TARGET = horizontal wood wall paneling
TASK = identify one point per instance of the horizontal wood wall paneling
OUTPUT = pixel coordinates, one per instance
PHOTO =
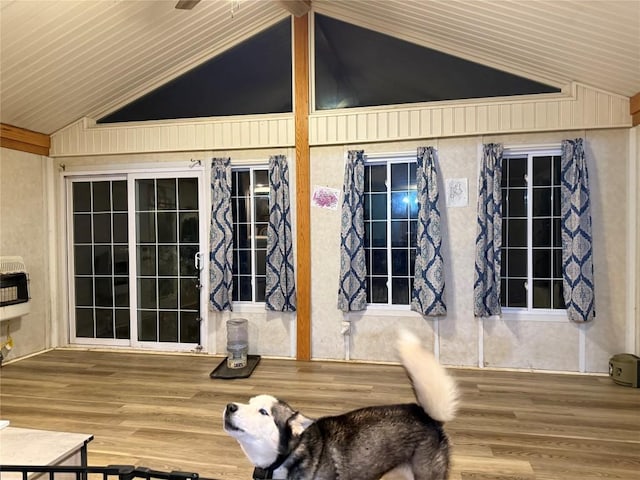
(581, 107)
(17, 138)
(84, 137)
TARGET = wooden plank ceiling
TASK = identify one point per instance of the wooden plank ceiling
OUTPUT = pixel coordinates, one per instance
(61, 60)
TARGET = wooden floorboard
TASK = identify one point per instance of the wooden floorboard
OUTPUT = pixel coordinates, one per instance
(164, 412)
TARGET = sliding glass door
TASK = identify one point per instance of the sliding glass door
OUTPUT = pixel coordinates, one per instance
(134, 259)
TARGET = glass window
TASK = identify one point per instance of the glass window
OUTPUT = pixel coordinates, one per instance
(391, 219)
(531, 239)
(250, 209)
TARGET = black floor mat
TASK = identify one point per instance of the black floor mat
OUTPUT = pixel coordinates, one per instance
(222, 371)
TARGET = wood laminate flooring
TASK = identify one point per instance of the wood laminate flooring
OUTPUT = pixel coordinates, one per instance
(165, 413)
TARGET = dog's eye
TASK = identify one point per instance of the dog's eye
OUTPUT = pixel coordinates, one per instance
(263, 412)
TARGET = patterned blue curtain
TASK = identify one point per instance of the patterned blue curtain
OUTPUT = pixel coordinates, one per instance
(352, 290)
(428, 287)
(486, 286)
(221, 236)
(280, 292)
(577, 259)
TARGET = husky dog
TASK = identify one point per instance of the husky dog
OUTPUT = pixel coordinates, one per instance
(406, 440)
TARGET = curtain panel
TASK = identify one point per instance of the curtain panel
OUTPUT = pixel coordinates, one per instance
(577, 252)
(486, 286)
(427, 296)
(352, 288)
(221, 237)
(280, 292)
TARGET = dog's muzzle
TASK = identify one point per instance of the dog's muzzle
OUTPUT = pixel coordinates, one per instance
(229, 410)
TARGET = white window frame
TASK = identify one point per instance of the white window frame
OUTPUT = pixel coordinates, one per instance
(390, 308)
(528, 312)
(252, 305)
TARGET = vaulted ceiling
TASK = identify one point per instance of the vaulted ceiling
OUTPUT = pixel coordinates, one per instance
(61, 60)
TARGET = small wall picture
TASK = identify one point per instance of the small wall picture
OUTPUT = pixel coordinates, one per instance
(457, 192)
(325, 197)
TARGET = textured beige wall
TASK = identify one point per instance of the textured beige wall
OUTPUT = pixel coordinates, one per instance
(547, 343)
(23, 232)
(459, 338)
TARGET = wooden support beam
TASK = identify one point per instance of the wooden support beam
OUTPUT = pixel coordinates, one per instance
(17, 138)
(303, 196)
(297, 8)
(635, 109)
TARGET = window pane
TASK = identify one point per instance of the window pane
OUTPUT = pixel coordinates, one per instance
(101, 227)
(399, 233)
(120, 228)
(376, 177)
(84, 291)
(187, 260)
(102, 259)
(516, 262)
(516, 203)
(120, 201)
(399, 262)
(261, 285)
(542, 171)
(147, 293)
(262, 209)
(244, 288)
(541, 264)
(189, 327)
(104, 291)
(83, 260)
(541, 232)
(146, 227)
(147, 326)
(84, 322)
(243, 261)
(166, 194)
(121, 293)
(189, 227)
(376, 206)
(399, 176)
(241, 184)
(399, 205)
(168, 260)
(82, 228)
(400, 291)
(122, 324)
(517, 172)
(101, 196)
(378, 262)
(241, 236)
(146, 195)
(558, 298)
(542, 202)
(167, 227)
(168, 292)
(146, 260)
(81, 196)
(557, 263)
(104, 323)
(379, 292)
(168, 326)
(188, 193)
(260, 181)
(261, 262)
(542, 294)
(378, 235)
(516, 293)
(517, 233)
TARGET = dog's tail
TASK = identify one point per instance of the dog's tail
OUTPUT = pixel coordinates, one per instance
(436, 391)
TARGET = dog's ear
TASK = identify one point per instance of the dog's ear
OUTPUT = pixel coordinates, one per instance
(298, 423)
